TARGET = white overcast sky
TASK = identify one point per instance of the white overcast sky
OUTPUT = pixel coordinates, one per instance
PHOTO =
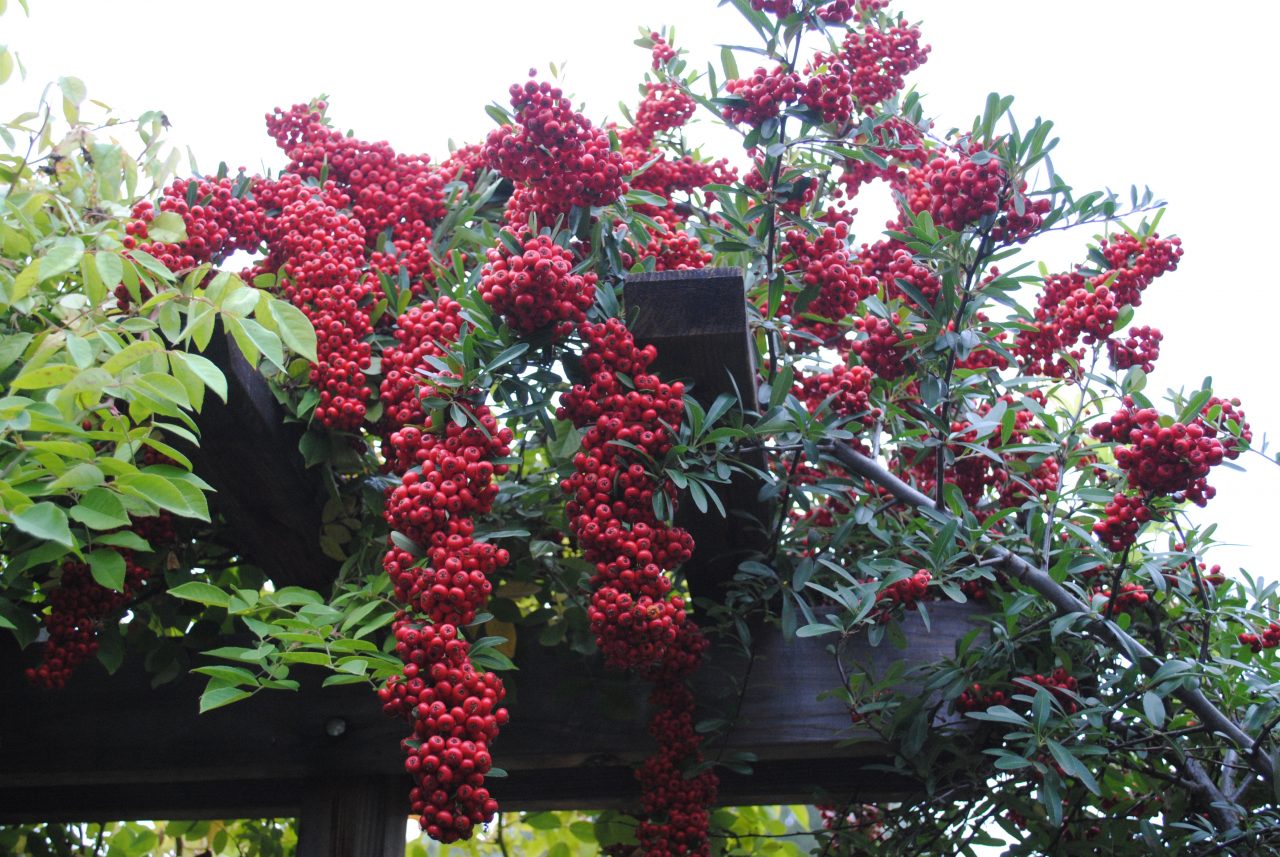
(1172, 94)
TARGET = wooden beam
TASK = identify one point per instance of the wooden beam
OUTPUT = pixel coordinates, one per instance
(112, 746)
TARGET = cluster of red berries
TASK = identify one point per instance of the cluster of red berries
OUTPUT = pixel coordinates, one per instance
(219, 217)
(1061, 684)
(880, 349)
(1140, 347)
(760, 97)
(456, 714)
(422, 331)
(902, 593)
(217, 214)
(319, 250)
(394, 196)
(570, 161)
(78, 605)
(665, 107)
(671, 250)
(639, 625)
(828, 89)
(1064, 309)
(446, 479)
(1129, 597)
(1123, 517)
(662, 51)
(536, 288)
(880, 60)
(1268, 639)
(976, 698)
(959, 190)
(1159, 460)
(1136, 262)
(889, 261)
(676, 805)
(844, 391)
(667, 177)
(823, 263)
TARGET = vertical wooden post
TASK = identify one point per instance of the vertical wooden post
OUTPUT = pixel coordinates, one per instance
(698, 322)
(347, 816)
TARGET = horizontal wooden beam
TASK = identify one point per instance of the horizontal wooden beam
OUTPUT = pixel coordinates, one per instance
(112, 746)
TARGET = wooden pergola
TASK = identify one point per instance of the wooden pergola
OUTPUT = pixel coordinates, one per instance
(113, 747)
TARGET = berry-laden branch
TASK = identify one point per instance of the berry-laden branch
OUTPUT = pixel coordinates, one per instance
(1066, 603)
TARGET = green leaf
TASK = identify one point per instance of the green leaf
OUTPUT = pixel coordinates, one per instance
(294, 328)
(44, 521)
(110, 268)
(205, 369)
(228, 674)
(73, 89)
(100, 509)
(130, 355)
(218, 695)
(168, 227)
(254, 339)
(202, 593)
(1153, 707)
(108, 569)
(62, 257)
(45, 376)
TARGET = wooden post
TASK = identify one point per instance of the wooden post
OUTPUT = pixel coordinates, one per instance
(698, 322)
(349, 816)
(249, 454)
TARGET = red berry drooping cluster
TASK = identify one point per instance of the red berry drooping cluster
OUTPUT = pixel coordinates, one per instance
(395, 197)
(1139, 347)
(672, 250)
(880, 350)
(1268, 639)
(844, 391)
(318, 249)
(760, 97)
(880, 60)
(661, 50)
(79, 605)
(536, 288)
(639, 625)
(902, 593)
(421, 332)
(828, 89)
(447, 478)
(568, 159)
(665, 107)
(976, 698)
(1074, 304)
(1160, 460)
(218, 217)
(823, 264)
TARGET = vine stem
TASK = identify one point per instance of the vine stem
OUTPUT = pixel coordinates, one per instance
(1067, 603)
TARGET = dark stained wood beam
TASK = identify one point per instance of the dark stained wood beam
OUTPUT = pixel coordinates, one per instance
(114, 747)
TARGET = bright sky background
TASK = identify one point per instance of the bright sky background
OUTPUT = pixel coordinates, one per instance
(1174, 95)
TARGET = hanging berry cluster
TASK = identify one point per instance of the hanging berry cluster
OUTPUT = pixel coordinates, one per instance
(446, 479)
(1163, 458)
(1080, 306)
(79, 605)
(628, 416)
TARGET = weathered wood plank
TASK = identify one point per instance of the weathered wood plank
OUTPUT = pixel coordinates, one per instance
(344, 816)
(108, 740)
